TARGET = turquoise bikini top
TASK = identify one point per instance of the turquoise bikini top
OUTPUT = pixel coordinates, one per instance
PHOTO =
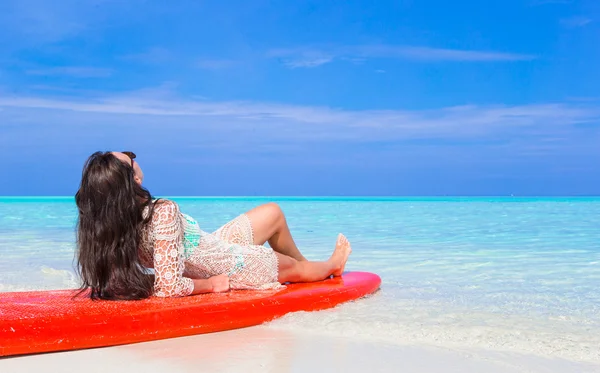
(191, 240)
(191, 235)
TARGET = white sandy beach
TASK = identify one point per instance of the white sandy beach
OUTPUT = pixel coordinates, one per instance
(267, 349)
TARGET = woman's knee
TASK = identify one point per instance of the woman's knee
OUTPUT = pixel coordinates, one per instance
(274, 209)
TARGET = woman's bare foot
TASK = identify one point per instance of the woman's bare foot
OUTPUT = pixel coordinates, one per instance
(340, 254)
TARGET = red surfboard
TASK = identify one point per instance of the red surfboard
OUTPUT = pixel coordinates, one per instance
(45, 321)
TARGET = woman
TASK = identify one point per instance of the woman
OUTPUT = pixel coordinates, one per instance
(122, 231)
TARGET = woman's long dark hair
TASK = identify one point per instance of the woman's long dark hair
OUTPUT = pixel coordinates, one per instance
(110, 223)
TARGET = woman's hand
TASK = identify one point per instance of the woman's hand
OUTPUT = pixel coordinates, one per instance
(215, 284)
(219, 283)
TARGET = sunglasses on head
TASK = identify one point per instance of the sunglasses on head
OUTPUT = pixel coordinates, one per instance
(131, 156)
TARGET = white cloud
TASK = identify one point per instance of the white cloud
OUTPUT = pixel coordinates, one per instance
(461, 122)
(295, 58)
(437, 54)
(157, 120)
(308, 62)
(313, 57)
(575, 21)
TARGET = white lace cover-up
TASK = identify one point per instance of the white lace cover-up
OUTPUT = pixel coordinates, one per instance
(178, 250)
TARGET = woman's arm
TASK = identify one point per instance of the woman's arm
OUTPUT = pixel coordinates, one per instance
(167, 234)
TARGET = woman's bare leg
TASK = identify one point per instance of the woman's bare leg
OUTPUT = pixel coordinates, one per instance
(269, 224)
(292, 270)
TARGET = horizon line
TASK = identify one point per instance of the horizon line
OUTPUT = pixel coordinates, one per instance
(330, 196)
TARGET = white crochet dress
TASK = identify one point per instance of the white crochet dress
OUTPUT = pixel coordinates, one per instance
(178, 250)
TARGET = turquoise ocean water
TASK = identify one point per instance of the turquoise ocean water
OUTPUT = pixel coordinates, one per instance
(509, 274)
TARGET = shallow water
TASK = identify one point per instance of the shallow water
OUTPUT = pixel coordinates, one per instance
(505, 274)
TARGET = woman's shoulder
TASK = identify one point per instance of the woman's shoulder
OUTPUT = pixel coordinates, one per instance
(165, 206)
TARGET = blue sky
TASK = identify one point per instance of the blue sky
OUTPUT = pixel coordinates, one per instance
(258, 97)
